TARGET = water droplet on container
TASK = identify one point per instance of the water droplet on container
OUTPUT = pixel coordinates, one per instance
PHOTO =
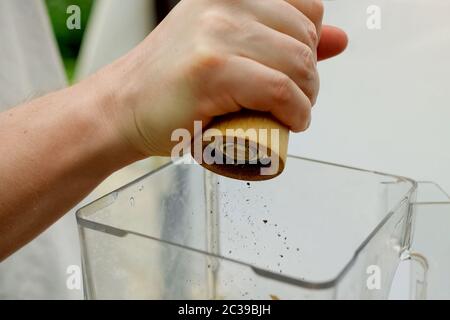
(132, 202)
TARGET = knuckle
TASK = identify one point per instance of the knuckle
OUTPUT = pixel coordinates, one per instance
(318, 9)
(310, 63)
(281, 89)
(306, 63)
(216, 21)
(311, 89)
(312, 36)
(209, 17)
(249, 32)
(206, 58)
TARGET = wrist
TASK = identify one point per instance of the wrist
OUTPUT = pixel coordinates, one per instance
(97, 113)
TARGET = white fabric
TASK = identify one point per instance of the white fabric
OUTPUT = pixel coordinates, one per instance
(115, 27)
(30, 66)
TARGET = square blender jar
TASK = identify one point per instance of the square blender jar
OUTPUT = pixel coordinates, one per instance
(318, 231)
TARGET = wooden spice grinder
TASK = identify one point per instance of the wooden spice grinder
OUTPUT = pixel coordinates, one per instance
(246, 145)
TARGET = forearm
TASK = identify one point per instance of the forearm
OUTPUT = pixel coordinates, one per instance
(54, 151)
(196, 65)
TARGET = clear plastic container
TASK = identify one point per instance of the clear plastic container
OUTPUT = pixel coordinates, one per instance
(429, 250)
(319, 231)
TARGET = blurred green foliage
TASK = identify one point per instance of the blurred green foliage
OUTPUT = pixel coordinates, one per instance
(69, 41)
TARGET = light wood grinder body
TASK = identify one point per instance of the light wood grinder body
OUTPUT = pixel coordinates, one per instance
(246, 145)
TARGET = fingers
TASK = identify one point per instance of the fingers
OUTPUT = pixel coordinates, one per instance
(283, 53)
(271, 49)
(313, 9)
(276, 92)
(333, 42)
(288, 20)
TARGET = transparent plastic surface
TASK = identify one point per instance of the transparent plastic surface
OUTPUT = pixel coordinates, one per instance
(430, 244)
(319, 231)
(315, 232)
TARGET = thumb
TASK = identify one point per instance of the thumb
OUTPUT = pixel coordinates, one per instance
(333, 41)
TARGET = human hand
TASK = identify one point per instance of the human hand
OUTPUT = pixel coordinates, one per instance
(209, 58)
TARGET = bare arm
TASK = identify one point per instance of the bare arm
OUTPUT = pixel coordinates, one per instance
(54, 151)
(194, 66)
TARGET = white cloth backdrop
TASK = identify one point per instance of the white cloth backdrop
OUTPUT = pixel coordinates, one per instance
(30, 65)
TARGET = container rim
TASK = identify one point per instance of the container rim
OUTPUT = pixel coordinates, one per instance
(102, 202)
